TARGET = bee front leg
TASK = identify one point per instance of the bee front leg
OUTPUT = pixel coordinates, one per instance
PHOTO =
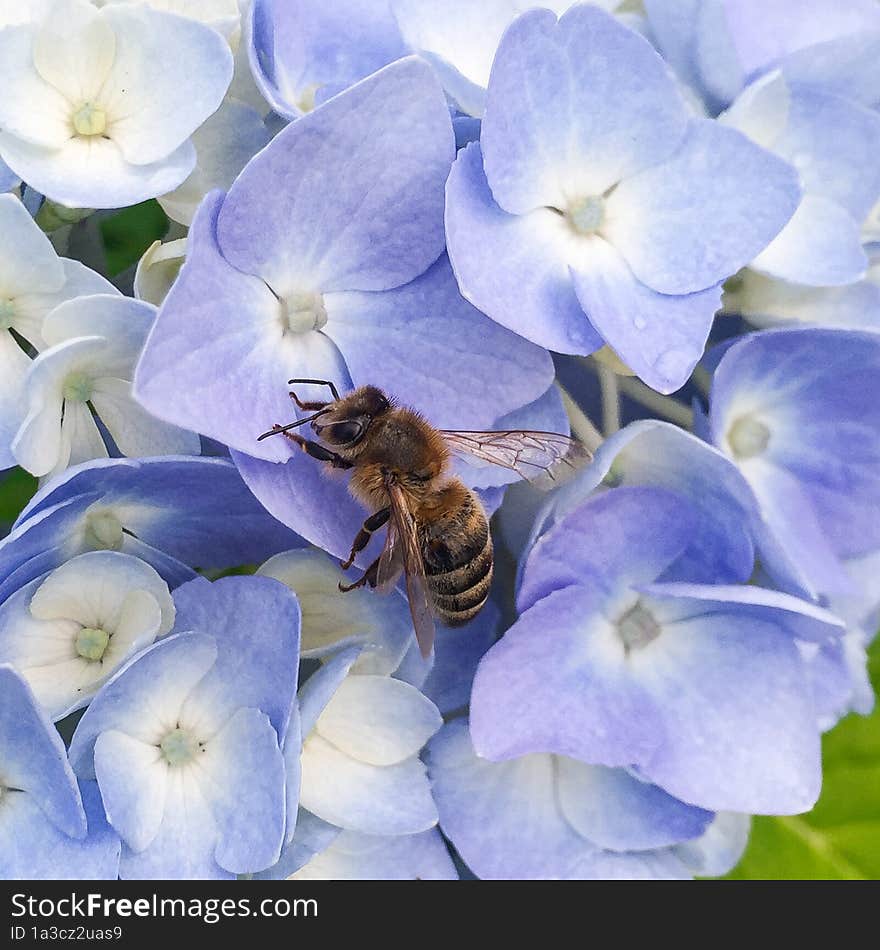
(315, 449)
(369, 576)
(373, 523)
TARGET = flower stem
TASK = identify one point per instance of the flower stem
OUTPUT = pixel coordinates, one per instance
(609, 384)
(581, 425)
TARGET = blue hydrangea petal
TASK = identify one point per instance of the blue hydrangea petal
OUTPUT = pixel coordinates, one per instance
(300, 495)
(821, 246)
(661, 865)
(250, 355)
(655, 453)
(803, 620)
(197, 510)
(31, 848)
(573, 108)
(711, 678)
(660, 337)
(513, 268)
(719, 848)
(242, 775)
(617, 811)
(34, 758)
(385, 146)
(255, 622)
(847, 66)
(814, 388)
(704, 213)
(503, 818)
(404, 341)
(657, 523)
(558, 682)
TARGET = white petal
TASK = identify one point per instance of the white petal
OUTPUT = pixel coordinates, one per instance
(14, 364)
(74, 48)
(28, 261)
(169, 75)
(93, 589)
(394, 800)
(91, 172)
(133, 780)
(30, 109)
(378, 720)
(137, 433)
(38, 446)
(329, 621)
(158, 269)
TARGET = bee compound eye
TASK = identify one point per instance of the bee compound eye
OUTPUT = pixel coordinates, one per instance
(344, 432)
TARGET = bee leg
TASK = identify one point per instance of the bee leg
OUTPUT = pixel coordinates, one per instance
(307, 405)
(369, 576)
(316, 450)
(373, 523)
(318, 382)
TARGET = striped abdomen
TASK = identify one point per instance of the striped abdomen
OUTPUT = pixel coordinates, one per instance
(457, 552)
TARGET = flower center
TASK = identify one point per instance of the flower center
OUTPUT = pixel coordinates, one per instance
(103, 531)
(78, 388)
(303, 313)
(91, 643)
(587, 214)
(89, 120)
(748, 437)
(637, 628)
(7, 313)
(305, 102)
(179, 747)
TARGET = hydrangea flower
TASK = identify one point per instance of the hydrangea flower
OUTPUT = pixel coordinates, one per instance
(826, 139)
(221, 15)
(68, 631)
(185, 741)
(304, 53)
(93, 116)
(172, 513)
(459, 39)
(33, 280)
(45, 832)
(618, 659)
(361, 736)
(718, 46)
(623, 232)
(795, 410)
(549, 816)
(93, 343)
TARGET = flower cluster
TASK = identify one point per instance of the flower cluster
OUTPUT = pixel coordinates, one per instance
(509, 219)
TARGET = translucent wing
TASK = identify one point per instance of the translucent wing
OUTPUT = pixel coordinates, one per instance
(403, 552)
(533, 455)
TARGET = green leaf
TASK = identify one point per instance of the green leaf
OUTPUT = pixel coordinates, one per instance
(128, 233)
(16, 489)
(840, 838)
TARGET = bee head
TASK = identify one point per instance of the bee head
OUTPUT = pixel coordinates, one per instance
(347, 422)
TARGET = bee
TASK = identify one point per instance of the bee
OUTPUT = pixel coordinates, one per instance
(437, 531)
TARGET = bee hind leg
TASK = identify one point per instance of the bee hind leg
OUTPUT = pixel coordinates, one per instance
(369, 576)
(373, 523)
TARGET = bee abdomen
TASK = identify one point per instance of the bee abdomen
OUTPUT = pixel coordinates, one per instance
(458, 593)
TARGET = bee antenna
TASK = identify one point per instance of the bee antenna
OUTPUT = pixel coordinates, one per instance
(277, 430)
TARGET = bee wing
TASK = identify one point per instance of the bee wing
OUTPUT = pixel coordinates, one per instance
(402, 552)
(533, 455)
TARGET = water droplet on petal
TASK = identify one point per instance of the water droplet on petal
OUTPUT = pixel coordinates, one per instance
(675, 364)
(639, 322)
